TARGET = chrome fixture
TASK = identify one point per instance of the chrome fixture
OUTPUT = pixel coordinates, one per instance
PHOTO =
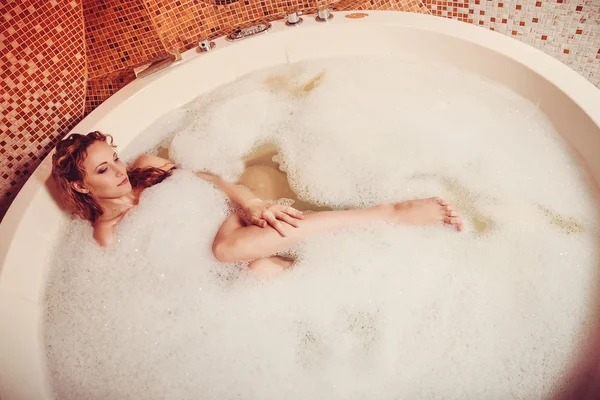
(293, 19)
(243, 33)
(323, 15)
(155, 66)
(205, 46)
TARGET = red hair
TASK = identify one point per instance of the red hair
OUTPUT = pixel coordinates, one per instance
(67, 168)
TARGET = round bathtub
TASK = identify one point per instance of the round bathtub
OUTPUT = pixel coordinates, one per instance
(28, 230)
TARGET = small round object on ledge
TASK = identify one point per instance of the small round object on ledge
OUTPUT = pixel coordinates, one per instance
(356, 15)
(205, 46)
(324, 15)
(293, 19)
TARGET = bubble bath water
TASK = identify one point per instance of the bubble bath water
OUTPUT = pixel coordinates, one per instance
(378, 311)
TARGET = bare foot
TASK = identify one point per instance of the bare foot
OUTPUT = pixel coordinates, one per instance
(426, 212)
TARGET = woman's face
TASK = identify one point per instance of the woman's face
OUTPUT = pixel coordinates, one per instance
(105, 174)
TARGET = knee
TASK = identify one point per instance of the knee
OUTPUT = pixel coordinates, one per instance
(220, 251)
(228, 251)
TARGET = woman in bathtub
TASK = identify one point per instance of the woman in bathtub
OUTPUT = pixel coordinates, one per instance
(96, 185)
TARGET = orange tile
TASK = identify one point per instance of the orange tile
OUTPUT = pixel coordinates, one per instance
(43, 75)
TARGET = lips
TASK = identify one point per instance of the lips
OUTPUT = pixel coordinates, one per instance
(124, 181)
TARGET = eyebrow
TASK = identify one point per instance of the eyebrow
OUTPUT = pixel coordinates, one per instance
(101, 164)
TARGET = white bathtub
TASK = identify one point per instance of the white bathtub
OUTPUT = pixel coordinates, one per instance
(31, 224)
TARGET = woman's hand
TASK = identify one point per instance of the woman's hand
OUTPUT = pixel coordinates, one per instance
(256, 211)
(260, 214)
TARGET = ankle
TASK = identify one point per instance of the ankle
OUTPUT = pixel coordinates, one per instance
(385, 212)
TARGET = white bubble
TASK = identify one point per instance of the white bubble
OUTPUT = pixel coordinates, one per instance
(377, 311)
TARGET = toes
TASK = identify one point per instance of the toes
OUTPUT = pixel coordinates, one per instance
(452, 220)
(440, 201)
(451, 213)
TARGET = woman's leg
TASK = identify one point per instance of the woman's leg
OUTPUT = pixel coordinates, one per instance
(269, 266)
(265, 266)
(237, 242)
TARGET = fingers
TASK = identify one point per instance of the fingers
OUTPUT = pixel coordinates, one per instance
(270, 218)
(274, 215)
(278, 213)
(258, 221)
(291, 211)
(284, 217)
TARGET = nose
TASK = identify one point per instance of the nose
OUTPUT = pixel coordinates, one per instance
(119, 172)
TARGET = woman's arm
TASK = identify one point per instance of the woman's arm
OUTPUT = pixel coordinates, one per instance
(256, 211)
(148, 160)
(236, 193)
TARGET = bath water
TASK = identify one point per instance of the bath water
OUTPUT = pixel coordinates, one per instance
(378, 311)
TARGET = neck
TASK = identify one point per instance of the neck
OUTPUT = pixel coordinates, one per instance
(114, 208)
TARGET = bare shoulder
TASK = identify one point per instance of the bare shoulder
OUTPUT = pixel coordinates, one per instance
(148, 160)
(104, 233)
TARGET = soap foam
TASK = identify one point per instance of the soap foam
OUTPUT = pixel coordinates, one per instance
(377, 311)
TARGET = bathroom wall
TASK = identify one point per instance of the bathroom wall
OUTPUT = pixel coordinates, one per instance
(118, 35)
(61, 59)
(43, 71)
(122, 38)
(179, 25)
(565, 29)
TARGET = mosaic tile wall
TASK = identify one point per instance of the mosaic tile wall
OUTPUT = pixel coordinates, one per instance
(46, 46)
(42, 90)
(193, 20)
(568, 30)
(118, 34)
(101, 88)
(180, 24)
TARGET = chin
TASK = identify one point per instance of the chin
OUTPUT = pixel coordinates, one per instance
(123, 190)
(126, 187)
